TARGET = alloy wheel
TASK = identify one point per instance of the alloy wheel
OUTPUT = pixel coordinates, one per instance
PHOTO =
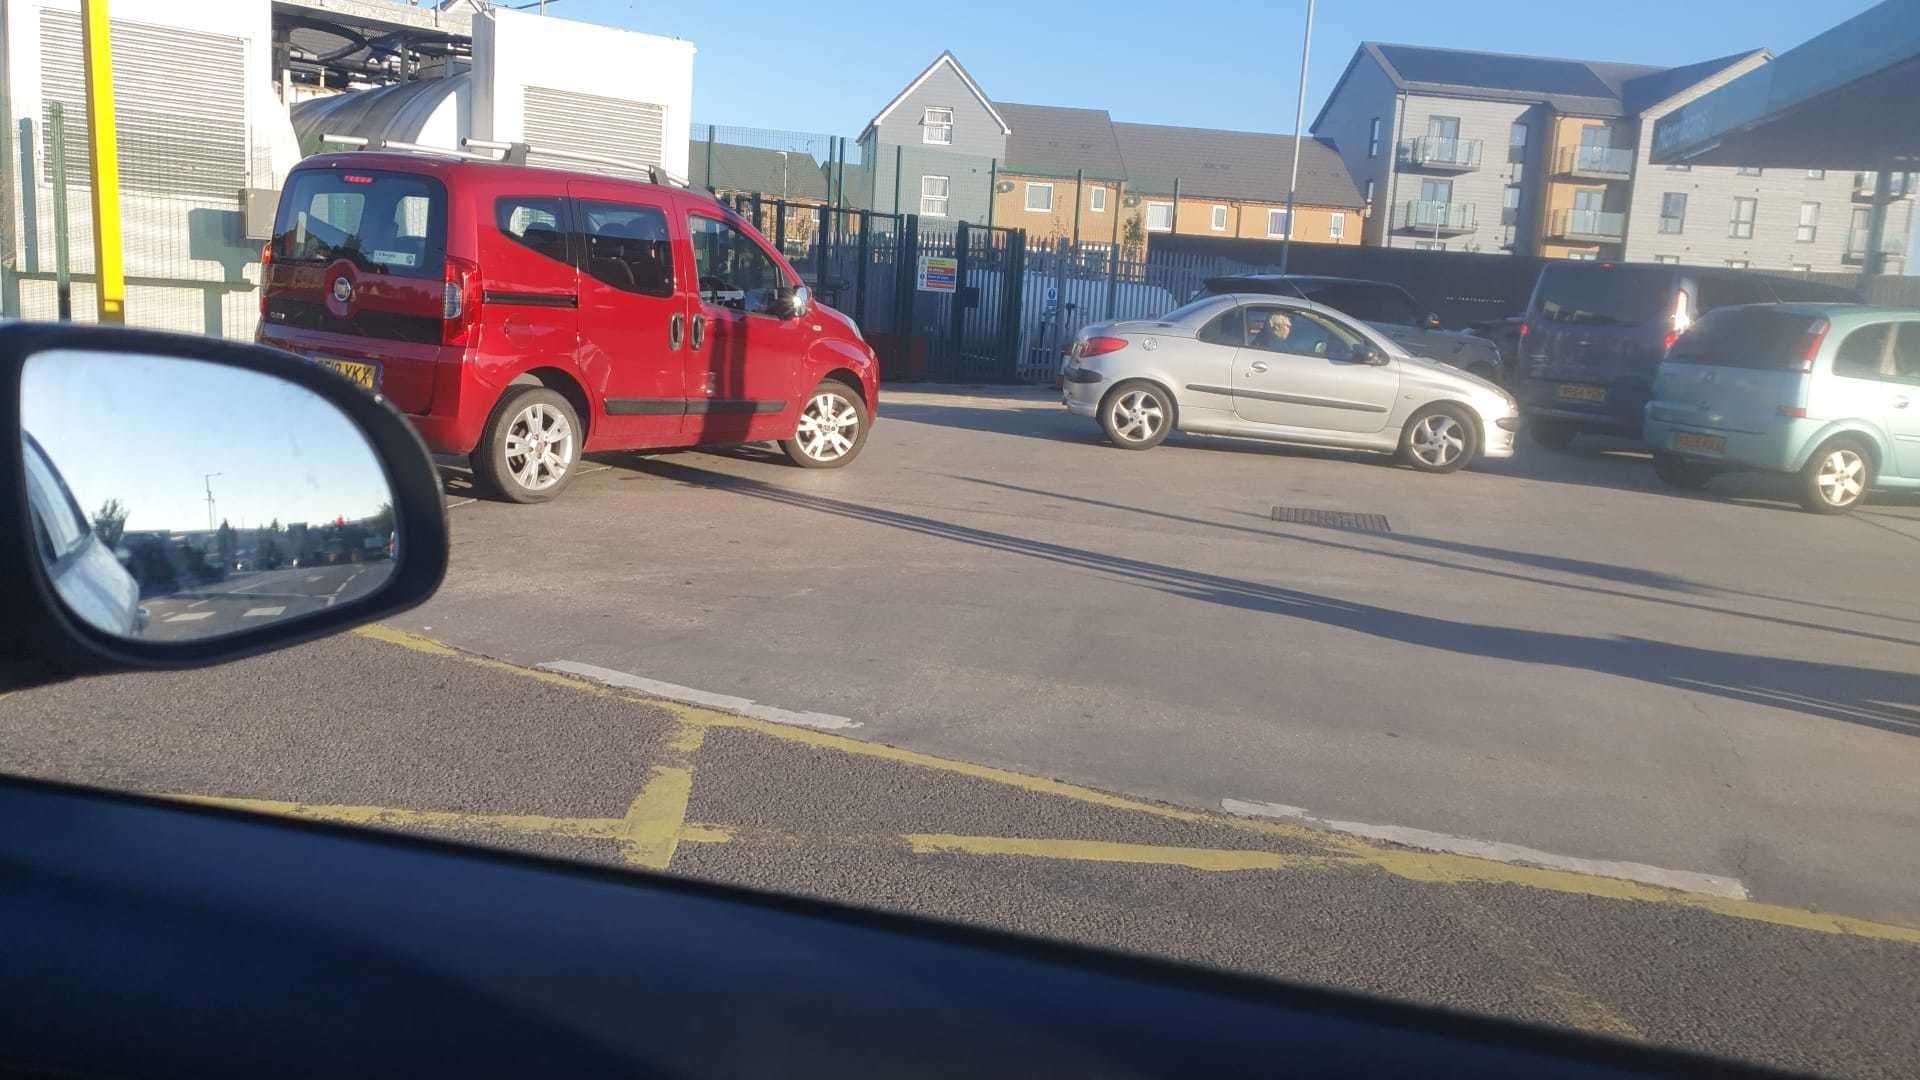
(829, 426)
(1138, 415)
(539, 447)
(1842, 477)
(1438, 440)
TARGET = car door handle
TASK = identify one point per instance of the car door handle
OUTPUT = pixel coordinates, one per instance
(1258, 366)
(676, 329)
(699, 330)
(1900, 403)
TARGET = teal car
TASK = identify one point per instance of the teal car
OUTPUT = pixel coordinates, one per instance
(1829, 393)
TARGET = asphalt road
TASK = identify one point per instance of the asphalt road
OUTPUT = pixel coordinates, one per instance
(1664, 745)
(1551, 652)
(250, 597)
(398, 732)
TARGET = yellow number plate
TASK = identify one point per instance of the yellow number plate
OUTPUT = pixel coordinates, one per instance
(1687, 440)
(1572, 392)
(366, 375)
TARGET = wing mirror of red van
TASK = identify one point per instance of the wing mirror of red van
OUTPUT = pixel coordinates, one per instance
(796, 301)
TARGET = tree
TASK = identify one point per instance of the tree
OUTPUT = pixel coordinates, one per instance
(266, 553)
(152, 567)
(110, 522)
(382, 520)
(1132, 239)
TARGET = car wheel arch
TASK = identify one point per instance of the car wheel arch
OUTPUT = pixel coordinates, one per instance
(1877, 452)
(562, 382)
(1158, 382)
(1472, 414)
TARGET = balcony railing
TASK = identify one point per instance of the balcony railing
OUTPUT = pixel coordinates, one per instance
(1436, 153)
(1434, 218)
(1588, 225)
(1890, 244)
(1899, 185)
(1602, 162)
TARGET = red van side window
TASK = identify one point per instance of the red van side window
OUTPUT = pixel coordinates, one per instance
(628, 247)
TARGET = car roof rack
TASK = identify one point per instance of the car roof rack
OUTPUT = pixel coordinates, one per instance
(512, 153)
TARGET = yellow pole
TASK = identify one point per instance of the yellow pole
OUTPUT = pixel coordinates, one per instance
(105, 155)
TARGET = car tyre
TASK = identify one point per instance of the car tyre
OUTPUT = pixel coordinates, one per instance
(831, 429)
(1551, 434)
(1677, 472)
(1440, 439)
(1137, 415)
(1836, 478)
(530, 451)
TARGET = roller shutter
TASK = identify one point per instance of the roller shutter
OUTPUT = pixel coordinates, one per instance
(585, 124)
(180, 106)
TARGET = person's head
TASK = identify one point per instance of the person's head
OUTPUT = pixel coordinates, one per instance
(1279, 324)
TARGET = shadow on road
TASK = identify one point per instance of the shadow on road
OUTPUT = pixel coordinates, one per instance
(1879, 699)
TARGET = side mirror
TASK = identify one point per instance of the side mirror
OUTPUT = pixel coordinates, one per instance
(797, 301)
(186, 501)
(1432, 321)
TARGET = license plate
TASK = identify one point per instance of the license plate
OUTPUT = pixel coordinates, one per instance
(367, 375)
(1687, 440)
(1574, 392)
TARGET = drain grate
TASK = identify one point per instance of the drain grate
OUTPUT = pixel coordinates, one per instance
(1332, 519)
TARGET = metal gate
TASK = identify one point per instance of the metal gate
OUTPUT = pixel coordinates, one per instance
(973, 332)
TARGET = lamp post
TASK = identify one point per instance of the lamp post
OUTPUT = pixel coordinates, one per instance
(207, 479)
(1299, 113)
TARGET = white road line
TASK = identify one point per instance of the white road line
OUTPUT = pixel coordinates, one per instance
(690, 696)
(314, 577)
(190, 616)
(460, 503)
(1684, 880)
(196, 603)
(263, 612)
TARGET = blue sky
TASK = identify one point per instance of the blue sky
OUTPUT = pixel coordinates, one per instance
(830, 65)
(146, 429)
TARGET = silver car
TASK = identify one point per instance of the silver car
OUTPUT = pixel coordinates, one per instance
(1384, 307)
(1270, 367)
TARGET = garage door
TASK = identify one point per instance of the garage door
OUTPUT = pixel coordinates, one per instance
(180, 101)
(586, 124)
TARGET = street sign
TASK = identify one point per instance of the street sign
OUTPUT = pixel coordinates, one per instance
(1053, 294)
(939, 273)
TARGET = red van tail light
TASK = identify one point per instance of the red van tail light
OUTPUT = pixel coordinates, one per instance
(1524, 328)
(1100, 346)
(459, 301)
(266, 275)
(1682, 320)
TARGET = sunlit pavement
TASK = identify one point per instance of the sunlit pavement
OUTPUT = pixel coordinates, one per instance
(1553, 663)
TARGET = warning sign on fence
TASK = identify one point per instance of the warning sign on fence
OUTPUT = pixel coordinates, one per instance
(938, 273)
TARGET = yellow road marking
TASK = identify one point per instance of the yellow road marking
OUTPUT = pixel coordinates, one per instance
(1337, 849)
(1107, 851)
(1589, 1013)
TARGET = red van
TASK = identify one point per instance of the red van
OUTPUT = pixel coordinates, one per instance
(525, 315)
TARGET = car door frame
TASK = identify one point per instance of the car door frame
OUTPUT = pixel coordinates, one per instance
(774, 366)
(1299, 400)
(1902, 418)
(629, 420)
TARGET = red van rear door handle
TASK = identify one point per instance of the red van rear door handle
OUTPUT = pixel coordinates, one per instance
(699, 330)
(676, 329)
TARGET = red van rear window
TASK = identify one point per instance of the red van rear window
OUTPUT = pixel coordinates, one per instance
(385, 222)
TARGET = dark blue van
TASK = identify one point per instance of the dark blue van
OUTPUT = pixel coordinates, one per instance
(1595, 332)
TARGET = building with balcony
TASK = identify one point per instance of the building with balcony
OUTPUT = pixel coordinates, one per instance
(1490, 152)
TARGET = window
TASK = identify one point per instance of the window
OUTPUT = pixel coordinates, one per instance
(1755, 338)
(1620, 295)
(1276, 223)
(734, 271)
(1867, 353)
(389, 221)
(1429, 245)
(1368, 302)
(1747, 170)
(1097, 200)
(1159, 216)
(1369, 193)
(1906, 353)
(1517, 143)
(1809, 226)
(537, 222)
(1816, 174)
(936, 127)
(1040, 197)
(1741, 227)
(1583, 256)
(1297, 333)
(1857, 230)
(1713, 291)
(1228, 329)
(1373, 138)
(1337, 226)
(1218, 222)
(627, 247)
(1667, 260)
(1673, 212)
(933, 195)
(1736, 264)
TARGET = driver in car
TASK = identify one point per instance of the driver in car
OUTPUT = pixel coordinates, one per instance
(1273, 333)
